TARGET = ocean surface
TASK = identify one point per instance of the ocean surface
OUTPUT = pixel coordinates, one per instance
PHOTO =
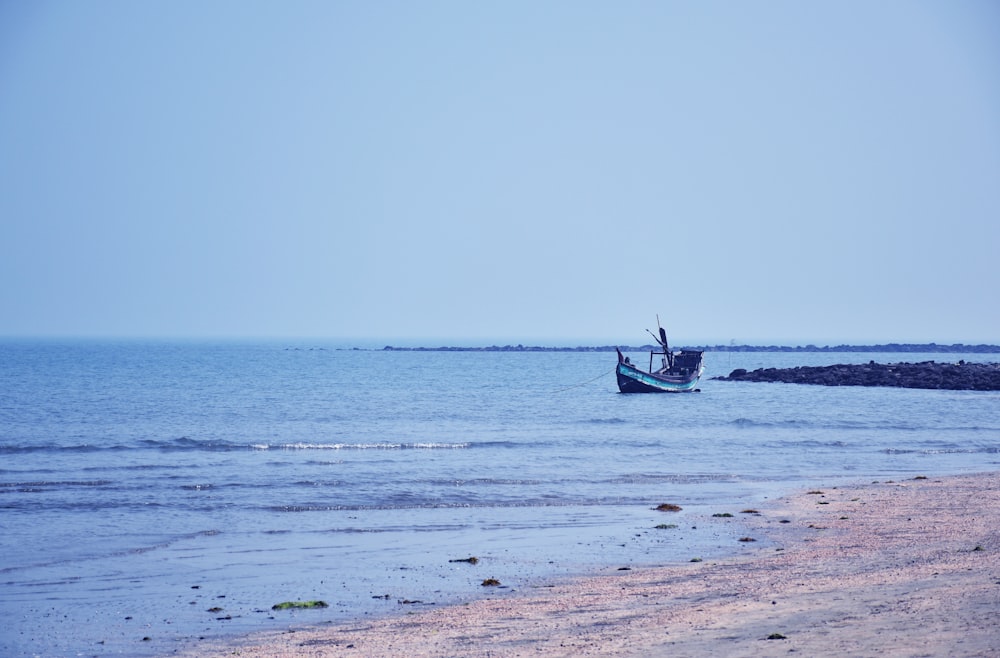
(155, 493)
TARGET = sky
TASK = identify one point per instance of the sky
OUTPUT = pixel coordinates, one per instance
(451, 172)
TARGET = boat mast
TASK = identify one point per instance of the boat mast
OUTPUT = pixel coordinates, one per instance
(663, 342)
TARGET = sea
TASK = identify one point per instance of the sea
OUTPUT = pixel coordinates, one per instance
(155, 495)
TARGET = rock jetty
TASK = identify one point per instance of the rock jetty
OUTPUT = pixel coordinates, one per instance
(959, 376)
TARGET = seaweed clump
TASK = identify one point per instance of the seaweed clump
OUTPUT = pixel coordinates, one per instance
(667, 507)
(470, 560)
(289, 605)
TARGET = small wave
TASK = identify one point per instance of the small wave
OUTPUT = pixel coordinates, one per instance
(793, 423)
(25, 449)
(135, 467)
(185, 444)
(360, 446)
(404, 528)
(499, 444)
(844, 425)
(807, 443)
(748, 422)
(671, 478)
(57, 483)
(983, 450)
(484, 482)
(163, 445)
(605, 421)
(136, 550)
(421, 505)
(319, 483)
(45, 486)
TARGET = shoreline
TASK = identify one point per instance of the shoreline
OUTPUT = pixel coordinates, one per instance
(909, 568)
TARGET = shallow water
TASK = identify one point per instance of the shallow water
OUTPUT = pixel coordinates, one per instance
(144, 484)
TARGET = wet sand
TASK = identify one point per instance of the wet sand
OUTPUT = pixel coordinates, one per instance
(906, 568)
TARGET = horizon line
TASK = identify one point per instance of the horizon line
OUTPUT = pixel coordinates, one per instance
(375, 344)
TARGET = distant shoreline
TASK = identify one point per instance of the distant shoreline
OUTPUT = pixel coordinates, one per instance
(925, 348)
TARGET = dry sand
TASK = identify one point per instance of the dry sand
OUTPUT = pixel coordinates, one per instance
(910, 568)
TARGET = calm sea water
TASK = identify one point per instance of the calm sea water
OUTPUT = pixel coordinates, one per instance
(155, 493)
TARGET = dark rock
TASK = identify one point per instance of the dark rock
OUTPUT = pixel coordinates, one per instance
(962, 376)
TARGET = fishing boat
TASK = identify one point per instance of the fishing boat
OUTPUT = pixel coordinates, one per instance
(678, 372)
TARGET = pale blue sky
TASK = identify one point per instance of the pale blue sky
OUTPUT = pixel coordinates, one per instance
(536, 172)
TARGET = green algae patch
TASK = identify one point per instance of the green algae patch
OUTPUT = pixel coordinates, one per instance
(295, 605)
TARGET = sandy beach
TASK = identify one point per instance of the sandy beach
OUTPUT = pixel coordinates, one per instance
(905, 568)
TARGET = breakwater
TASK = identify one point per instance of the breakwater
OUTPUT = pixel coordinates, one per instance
(961, 376)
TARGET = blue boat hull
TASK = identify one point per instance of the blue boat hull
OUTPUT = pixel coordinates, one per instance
(633, 380)
(682, 375)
